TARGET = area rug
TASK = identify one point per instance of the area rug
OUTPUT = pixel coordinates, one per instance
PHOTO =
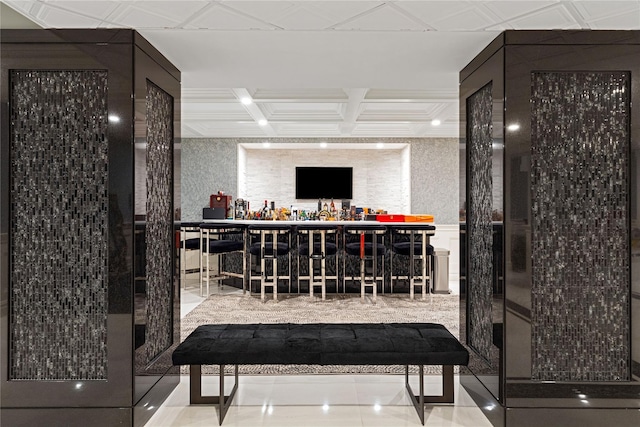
(396, 308)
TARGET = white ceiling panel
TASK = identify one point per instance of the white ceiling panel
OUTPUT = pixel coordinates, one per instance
(302, 111)
(302, 18)
(324, 68)
(60, 18)
(432, 11)
(264, 10)
(341, 11)
(506, 10)
(597, 10)
(222, 18)
(472, 18)
(556, 17)
(620, 22)
(381, 18)
(134, 16)
(176, 11)
(97, 9)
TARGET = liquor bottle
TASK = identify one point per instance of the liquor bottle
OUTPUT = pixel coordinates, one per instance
(264, 214)
(319, 205)
(332, 208)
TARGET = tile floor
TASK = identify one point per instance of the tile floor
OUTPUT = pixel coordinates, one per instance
(314, 400)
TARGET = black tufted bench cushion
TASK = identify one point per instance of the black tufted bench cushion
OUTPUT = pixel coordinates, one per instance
(321, 344)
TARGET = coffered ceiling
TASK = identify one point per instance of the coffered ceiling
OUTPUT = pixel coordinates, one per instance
(324, 68)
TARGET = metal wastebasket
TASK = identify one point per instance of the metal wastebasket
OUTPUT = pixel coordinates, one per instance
(441, 271)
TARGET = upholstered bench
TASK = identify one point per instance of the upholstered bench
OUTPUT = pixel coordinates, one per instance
(321, 344)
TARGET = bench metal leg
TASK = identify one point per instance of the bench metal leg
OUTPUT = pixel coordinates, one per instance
(195, 391)
(419, 401)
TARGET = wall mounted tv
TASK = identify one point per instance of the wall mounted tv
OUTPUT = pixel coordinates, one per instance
(324, 182)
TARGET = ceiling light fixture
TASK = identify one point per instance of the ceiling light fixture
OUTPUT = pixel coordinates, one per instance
(246, 101)
(262, 122)
(379, 145)
(435, 122)
(323, 145)
(266, 144)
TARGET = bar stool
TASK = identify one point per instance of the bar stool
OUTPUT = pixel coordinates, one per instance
(369, 247)
(414, 245)
(188, 244)
(270, 247)
(315, 249)
(221, 239)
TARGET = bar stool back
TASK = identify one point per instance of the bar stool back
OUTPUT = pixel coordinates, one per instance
(415, 246)
(188, 244)
(369, 247)
(221, 239)
(315, 249)
(268, 248)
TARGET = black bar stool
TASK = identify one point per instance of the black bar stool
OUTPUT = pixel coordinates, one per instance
(221, 239)
(412, 240)
(369, 247)
(188, 244)
(315, 248)
(269, 247)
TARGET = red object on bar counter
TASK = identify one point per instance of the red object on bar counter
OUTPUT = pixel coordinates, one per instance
(390, 218)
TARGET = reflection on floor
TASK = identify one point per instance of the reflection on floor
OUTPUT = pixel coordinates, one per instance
(314, 400)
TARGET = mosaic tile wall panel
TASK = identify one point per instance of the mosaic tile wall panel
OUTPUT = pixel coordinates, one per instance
(159, 231)
(479, 226)
(580, 229)
(59, 225)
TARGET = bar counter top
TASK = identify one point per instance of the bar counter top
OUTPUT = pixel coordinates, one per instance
(335, 222)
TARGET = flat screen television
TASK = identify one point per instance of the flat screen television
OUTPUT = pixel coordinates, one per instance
(324, 182)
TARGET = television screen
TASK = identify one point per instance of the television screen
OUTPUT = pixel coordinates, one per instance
(324, 183)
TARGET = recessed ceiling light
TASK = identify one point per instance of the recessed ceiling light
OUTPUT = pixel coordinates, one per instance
(379, 145)
(246, 100)
(262, 122)
(266, 144)
(435, 122)
(323, 145)
(513, 127)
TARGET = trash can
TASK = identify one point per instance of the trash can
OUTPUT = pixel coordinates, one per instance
(440, 271)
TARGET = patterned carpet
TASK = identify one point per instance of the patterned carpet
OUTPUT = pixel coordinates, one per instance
(441, 309)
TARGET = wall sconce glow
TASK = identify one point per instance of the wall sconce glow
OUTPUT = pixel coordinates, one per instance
(246, 101)
(114, 119)
(513, 127)
(266, 144)
(435, 122)
(323, 145)
(262, 122)
(379, 145)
